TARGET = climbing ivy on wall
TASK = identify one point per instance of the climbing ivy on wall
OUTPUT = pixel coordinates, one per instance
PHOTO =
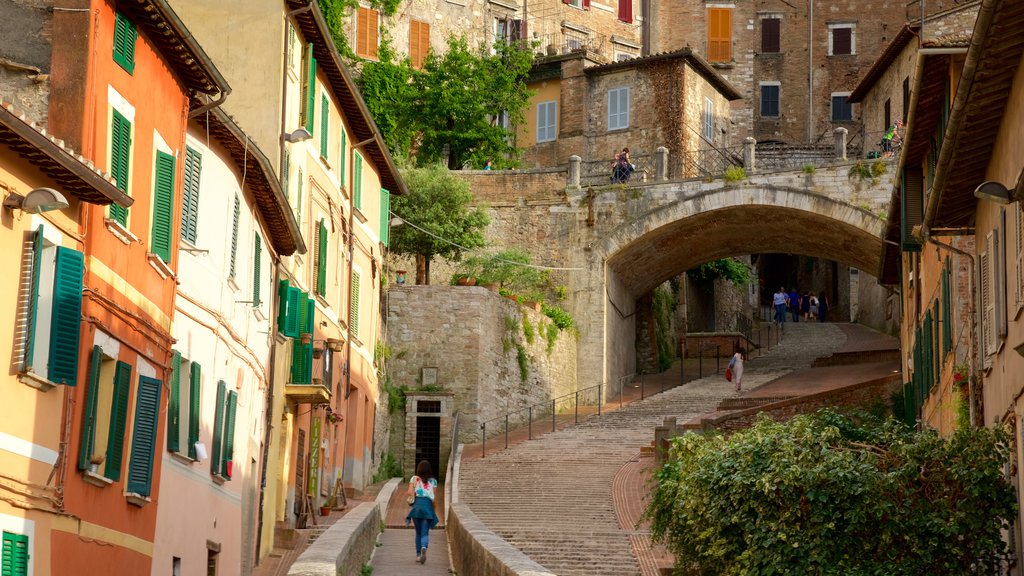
(663, 305)
(731, 269)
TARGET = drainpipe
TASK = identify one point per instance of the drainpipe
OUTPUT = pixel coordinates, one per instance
(810, 72)
(269, 413)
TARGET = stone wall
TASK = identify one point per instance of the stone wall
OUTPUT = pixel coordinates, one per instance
(476, 551)
(26, 26)
(474, 338)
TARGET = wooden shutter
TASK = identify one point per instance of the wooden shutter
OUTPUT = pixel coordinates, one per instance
(125, 37)
(87, 443)
(118, 420)
(719, 34)
(353, 306)
(194, 395)
(947, 313)
(343, 155)
(419, 42)
(842, 41)
(282, 306)
(174, 405)
(998, 263)
(228, 453)
(218, 429)
(988, 306)
(120, 160)
(366, 33)
(298, 198)
(912, 200)
(385, 217)
(302, 354)
(586, 4)
(625, 10)
(307, 103)
(257, 263)
(190, 195)
(770, 35)
(234, 236)
(357, 185)
(325, 124)
(1019, 219)
(147, 414)
(163, 206)
(15, 555)
(321, 258)
(294, 320)
(33, 311)
(66, 317)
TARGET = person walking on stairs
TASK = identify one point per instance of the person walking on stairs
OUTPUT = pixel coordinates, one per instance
(736, 365)
(421, 514)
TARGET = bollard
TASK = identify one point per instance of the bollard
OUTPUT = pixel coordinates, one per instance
(552, 415)
(483, 444)
(661, 163)
(749, 155)
(840, 142)
(575, 167)
(506, 431)
(576, 417)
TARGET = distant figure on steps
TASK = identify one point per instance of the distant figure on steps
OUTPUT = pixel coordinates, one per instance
(421, 496)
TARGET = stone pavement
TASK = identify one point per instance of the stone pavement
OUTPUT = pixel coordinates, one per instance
(396, 554)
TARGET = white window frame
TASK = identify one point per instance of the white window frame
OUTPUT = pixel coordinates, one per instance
(709, 119)
(547, 132)
(853, 37)
(618, 119)
(832, 109)
(760, 98)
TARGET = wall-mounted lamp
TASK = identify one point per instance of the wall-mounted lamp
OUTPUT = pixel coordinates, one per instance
(395, 221)
(300, 135)
(37, 201)
(996, 192)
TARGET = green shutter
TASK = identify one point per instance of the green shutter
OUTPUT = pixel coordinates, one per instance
(305, 109)
(163, 206)
(147, 414)
(284, 174)
(218, 424)
(194, 394)
(357, 184)
(343, 155)
(125, 36)
(228, 454)
(310, 89)
(88, 441)
(909, 409)
(190, 195)
(174, 405)
(37, 262)
(325, 124)
(282, 306)
(321, 259)
(15, 555)
(298, 200)
(912, 204)
(118, 419)
(385, 217)
(947, 313)
(234, 236)
(302, 353)
(120, 160)
(66, 317)
(257, 258)
(353, 307)
(294, 323)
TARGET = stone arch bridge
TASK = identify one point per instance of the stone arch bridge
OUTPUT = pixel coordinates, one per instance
(618, 242)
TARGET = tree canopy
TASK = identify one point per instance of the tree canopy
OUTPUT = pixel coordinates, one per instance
(835, 494)
(439, 203)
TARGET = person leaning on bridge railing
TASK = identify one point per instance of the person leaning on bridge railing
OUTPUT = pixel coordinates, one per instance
(622, 168)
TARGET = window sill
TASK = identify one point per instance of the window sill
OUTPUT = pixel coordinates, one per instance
(119, 231)
(183, 458)
(841, 55)
(723, 65)
(160, 266)
(359, 214)
(324, 161)
(621, 129)
(96, 479)
(36, 381)
(258, 313)
(219, 480)
(138, 499)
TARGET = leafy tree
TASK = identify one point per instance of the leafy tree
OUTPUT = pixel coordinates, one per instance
(439, 203)
(731, 269)
(387, 89)
(835, 494)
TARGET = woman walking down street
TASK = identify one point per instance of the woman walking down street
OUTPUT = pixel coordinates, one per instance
(421, 491)
(736, 365)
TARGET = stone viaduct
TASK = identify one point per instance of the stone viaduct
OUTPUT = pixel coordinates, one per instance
(617, 242)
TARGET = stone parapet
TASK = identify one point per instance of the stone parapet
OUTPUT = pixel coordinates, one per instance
(475, 550)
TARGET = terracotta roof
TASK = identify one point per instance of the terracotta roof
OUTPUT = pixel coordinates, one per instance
(175, 43)
(956, 40)
(76, 175)
(977, 113)
(314, 29)
(271, 203)
(884, 61)
(698, 63)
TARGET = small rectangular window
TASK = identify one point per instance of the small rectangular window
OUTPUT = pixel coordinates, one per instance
(842, 110)
(163, 207)
(325, 124)
(770, 35)
(770, 100)
(353, 306)
(618, 108)
(626, 11)
(709, 119)
(546, 121)
(125, 37)
(841, 40)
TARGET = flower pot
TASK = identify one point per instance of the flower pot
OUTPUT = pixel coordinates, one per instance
(535, 305)
(306, 338)
(94, 468)
(325, 510)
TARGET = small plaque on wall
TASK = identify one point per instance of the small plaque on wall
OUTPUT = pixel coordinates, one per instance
(428, 377)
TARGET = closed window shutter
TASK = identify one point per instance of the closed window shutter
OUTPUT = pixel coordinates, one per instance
(321, 259)
(163, 206)
(362, 24)
(15, 555)
(294, 312)
(947, 313)
(357, 185)
(325, 124)
(551, 121)
(353, 306)
(302, 356)
(66, 316)
(120, 160)
(372, 34)
(282, 306)
(174, 405)
(88, 441)
(987, 302)
(284, 176)
(342, 160)
(147, 414)
(118, 420)
(298, 198)
(625, 11)
(385, 217)
(257, 261)
(770, 37)
(194, 395)
(998, 263)
(912, 208)
(719, 34)
(228, 453)
(125, 37)
(234, 236)
(613, 109)
(308, 88)
(1019, 216)
(33, 312)
(190, 195)
(842, 41)
(419, 42)
(218, 429)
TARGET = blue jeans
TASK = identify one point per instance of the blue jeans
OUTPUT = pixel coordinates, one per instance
(780, 313)
(422, 533)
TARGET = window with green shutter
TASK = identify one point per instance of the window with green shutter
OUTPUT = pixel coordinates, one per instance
(125, 36)
(320, 262)
(15, 555)
(147, 414)
(174, 404)
(298, 199)
(118, 420)
(385, 217)
(190, 195)
(308, 102)
(87, 443)
(257, 263)
(353, 306)
(227, 454)
(947, 303)
(302, 353)
(163, 207)
(194, 394)
(284, 175)
(218, 424)
(120, 161)
(296, 302)
(325, 124)
(282, 306)
(342, 155)
(357, 182)
(234, 236)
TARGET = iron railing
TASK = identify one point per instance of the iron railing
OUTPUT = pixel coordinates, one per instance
(709, 162)
(599, 172)
(566, 408)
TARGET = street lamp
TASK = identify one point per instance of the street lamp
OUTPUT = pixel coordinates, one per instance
(996, 192)
(36, 201)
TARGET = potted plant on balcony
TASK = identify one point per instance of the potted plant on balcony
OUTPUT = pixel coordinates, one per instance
(94, 462)
(306, 337)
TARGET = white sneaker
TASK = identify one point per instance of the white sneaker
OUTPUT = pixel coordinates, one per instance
(423, 556)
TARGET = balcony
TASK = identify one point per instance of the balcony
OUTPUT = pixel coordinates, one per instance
(303, 389)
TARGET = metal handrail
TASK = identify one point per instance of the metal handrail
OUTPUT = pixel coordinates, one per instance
(551, 404)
